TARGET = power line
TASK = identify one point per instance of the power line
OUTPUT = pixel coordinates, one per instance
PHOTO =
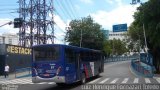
(71, 8)
(61, 8)
(7, 9)
(74, 8)
(59, 36)
(60, 16)
(60, 28)
(65, 8)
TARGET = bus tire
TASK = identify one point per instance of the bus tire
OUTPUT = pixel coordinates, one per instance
(83, 78)
(99, 71)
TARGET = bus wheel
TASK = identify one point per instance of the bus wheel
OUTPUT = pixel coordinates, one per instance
(83, 79)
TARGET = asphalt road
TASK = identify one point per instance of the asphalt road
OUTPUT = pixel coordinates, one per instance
(114, 73)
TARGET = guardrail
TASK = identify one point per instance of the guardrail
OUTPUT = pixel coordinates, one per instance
(22, 72)
(141, 69)
(116, 59)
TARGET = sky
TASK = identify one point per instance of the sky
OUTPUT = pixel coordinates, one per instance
(104, 12)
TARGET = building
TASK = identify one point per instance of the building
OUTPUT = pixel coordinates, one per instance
(117, 35)
(15, 56)
(106, 33)
(110, 35)
(8, 38)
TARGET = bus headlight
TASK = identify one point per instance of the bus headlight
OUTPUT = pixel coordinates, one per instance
(35, 71)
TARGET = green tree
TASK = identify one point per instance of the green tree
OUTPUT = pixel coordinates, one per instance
(135, 38)
(85, 32)
(117, 46)
(107, 48)
(147, 17)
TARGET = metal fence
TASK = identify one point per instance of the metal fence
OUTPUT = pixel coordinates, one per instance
(118, 58)
(22, 72)
(144, 70)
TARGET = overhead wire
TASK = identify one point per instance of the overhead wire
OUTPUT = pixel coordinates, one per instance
(71, 8)
(60, 29)
(60, 16)
(61, 8)
(56, 35)
(74, 8)
(65, 8)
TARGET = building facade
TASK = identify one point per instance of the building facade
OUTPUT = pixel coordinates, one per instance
(110, 35)
(117, 35)
(106, 34)
(8, 38)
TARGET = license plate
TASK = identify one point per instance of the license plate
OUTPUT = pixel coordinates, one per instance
(46, 75)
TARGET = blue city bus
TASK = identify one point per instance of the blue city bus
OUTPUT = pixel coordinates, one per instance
(65, 64)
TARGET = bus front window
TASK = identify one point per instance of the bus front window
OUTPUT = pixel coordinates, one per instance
(46, 53)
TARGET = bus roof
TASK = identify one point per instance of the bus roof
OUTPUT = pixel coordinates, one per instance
(41, 45)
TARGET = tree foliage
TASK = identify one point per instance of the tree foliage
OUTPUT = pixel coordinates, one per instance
(118, 47)
(147, 17)
(92, 36)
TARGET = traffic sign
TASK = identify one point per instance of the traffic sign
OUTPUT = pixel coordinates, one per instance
(120, 28)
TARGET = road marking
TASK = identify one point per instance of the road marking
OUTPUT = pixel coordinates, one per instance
(147, 80)
(115, 80)
(158, 80)
(19, 81)
(136, 80)
(22, 81)
(125, 80)
(104, 80)
(51, 83)
(42, 83)
(94, 81)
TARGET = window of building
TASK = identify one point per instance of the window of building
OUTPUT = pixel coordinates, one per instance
(0, 41)
(10, 41)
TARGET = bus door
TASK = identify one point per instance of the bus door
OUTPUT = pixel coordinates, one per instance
(70, 58)
(78, 66)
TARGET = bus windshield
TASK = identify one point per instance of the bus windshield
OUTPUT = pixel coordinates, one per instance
(46, 53)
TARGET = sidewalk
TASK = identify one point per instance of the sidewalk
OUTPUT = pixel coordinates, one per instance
(16, 75)
(11, 76)
(156, 76)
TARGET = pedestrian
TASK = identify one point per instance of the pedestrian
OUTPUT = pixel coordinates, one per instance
(6, 70)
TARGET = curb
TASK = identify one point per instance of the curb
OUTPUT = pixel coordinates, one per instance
(136, 73)
(24, 76)
(133, 71)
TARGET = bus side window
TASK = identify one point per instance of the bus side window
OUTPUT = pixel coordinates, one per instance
(69, 55)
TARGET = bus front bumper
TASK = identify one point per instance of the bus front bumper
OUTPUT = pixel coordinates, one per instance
(56, 79)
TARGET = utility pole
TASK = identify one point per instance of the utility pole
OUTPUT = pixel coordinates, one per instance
(31, 27)
(146, 47)
(81, 39)
(145, 37)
